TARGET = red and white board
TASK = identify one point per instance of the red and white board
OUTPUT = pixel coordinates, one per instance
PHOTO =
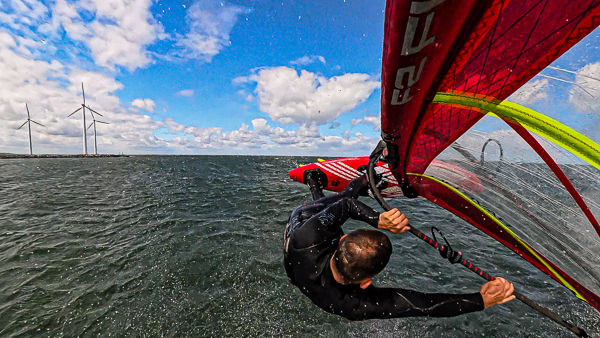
(341, 171)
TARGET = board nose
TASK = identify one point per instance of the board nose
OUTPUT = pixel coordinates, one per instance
(296, 174)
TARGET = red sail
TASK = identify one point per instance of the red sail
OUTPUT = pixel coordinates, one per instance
(471, 47)
(465, 46)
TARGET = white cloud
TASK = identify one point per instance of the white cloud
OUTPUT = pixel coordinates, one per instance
(21, 15)
(185, 93)
(52, 91)
(119, 33)
(241, 80)
(374, 120)
(530, 93)
(308, 98)
(210, 24)
(115, 34)
(173, 126)
(260, 137)
(307, 60)
(145, 104)
(588, 97)
(247, 96)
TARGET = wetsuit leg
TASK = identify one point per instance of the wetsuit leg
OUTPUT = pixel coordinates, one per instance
(315, 186)
(317, 194)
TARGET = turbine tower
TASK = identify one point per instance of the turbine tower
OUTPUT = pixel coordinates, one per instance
(83, 107)
(29, 120)
(94, 124)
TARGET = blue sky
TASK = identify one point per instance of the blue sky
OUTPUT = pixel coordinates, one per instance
(211, 77)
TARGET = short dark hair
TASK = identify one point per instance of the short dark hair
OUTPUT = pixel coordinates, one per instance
(362, 254)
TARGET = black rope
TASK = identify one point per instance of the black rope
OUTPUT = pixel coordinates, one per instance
(482, 156)
(446, 251)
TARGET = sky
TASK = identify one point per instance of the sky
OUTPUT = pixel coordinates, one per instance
(222, 77)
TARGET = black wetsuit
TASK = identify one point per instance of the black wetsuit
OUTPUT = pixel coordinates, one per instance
(311, 238)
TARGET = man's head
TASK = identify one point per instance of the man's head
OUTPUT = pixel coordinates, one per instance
(361, 255)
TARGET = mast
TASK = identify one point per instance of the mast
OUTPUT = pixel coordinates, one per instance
(95, 139)
(29, 126)
(30, 146)
(84, 126)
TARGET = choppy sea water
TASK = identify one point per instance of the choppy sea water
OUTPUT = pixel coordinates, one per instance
(186, 246)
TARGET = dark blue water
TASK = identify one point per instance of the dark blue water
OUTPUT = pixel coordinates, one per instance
(191, 246)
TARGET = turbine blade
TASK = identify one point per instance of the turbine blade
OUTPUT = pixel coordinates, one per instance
(78, 109)
(39, 124)
(26, 107)
(91, 124)
(102, 122)
(95, 112)
(23, 125)
(83, 93)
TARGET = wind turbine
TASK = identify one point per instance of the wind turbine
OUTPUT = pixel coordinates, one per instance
(94, 124)
(29, 120)
(83, 107)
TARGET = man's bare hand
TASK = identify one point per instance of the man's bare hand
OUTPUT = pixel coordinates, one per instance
(498, 291)
(393, 221)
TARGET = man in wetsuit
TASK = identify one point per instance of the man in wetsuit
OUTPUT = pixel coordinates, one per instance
(335, 270)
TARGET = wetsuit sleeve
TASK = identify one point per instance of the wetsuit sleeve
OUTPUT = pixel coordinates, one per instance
(394, 303)
(326, 225)
(346, 208)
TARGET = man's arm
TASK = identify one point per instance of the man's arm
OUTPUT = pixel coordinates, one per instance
(383, 303)
(394, 303)
(392, 220)
(339, 212)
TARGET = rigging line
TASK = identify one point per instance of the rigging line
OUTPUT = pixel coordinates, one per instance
(540, 259)
(457, 258)
(572, 72)
(582, 101)
(567, 81)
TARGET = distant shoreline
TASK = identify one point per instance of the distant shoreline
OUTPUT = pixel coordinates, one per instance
(13, 156)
